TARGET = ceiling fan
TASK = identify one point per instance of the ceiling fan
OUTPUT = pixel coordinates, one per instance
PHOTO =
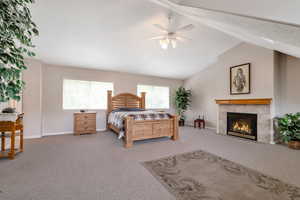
(171, 37)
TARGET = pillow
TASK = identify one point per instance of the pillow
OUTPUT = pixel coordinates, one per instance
(128, 109)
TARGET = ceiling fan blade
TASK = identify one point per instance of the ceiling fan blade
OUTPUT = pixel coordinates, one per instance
(186, 28)
(157, 37)
(182, 38)
(160, 27)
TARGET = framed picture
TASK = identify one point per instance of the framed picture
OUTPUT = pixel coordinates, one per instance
(240, 79)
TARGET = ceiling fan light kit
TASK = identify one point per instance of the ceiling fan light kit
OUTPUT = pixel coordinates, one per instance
(170, 38)
(165, 43)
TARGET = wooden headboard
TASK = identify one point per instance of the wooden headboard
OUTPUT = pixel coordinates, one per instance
(125, 100)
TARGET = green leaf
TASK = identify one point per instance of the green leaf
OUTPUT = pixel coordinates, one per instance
(289, 127)
(182, 100)
(16, 32)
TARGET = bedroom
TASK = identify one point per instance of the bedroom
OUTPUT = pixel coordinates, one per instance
(87, 47)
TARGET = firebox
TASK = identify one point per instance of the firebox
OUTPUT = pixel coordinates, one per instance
(242, 125)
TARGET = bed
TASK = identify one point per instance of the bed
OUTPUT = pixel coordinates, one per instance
(136, 128)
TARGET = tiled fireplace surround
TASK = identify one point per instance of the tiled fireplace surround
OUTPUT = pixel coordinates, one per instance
(264, 122)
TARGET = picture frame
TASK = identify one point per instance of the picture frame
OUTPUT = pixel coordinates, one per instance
(240, 79)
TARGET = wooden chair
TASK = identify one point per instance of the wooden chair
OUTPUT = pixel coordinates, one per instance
(11, 130)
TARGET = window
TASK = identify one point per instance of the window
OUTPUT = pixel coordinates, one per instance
(157, 97)
(79, 94)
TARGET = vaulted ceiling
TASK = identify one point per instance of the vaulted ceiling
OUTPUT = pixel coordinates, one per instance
(113, 35)
(286, 11)
(272, 24)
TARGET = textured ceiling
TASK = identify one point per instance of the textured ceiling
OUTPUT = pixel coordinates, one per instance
(278, 31)
(112, 35)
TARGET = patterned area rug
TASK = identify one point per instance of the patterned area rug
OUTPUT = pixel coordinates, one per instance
(203, 176)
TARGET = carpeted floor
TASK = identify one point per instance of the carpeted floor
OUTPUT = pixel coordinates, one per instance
(97, 166)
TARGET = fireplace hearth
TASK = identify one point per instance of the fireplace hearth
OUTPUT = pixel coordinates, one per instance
(242, 125)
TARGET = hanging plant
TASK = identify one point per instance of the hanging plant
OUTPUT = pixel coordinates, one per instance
(16, 32)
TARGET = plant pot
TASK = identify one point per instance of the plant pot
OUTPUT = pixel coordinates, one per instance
(294, 145)
(181, 122)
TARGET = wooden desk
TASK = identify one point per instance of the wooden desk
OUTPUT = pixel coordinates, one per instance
(12, 130)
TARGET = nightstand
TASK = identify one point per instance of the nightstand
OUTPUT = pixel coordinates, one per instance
(84, 123)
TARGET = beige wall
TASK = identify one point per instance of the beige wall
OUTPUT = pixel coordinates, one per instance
(276, 81)
(289, 85)
(54, 119)
(274, 75)
(3, 105)
(32, 99)
(213, 82)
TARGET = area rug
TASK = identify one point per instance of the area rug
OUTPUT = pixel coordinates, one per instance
(203, 176)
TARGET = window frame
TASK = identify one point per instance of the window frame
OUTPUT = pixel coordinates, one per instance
(163, 86)
(87, 109)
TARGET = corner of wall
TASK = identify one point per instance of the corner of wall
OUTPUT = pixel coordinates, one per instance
(32, 99)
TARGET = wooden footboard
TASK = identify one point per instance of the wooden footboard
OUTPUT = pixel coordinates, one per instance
(146, 129)
(140, 129)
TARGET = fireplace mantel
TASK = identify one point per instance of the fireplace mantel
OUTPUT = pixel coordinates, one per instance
(244, 101)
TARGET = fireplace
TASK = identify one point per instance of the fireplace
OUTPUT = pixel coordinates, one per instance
(242, 125)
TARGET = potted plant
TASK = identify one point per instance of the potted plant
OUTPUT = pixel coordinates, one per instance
(17, 30)
(289, 126)
(182, 102)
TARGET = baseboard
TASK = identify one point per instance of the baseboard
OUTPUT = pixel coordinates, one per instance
(57, 133)
(207, 127)
(68, 132)
(32, 137)
(211, 128)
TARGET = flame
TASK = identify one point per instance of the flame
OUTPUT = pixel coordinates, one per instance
(241, 126)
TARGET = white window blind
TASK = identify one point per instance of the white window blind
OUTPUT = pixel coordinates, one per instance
(79, 94)
(157, 97)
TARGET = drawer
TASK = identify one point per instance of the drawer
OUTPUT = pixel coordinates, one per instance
(79, 117)
(91, 123)
(85, 128)
(80, 132)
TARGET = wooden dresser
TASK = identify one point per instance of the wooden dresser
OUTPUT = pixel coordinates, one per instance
(84, 123)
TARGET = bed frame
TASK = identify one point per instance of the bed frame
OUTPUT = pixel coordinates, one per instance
(136, 129)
